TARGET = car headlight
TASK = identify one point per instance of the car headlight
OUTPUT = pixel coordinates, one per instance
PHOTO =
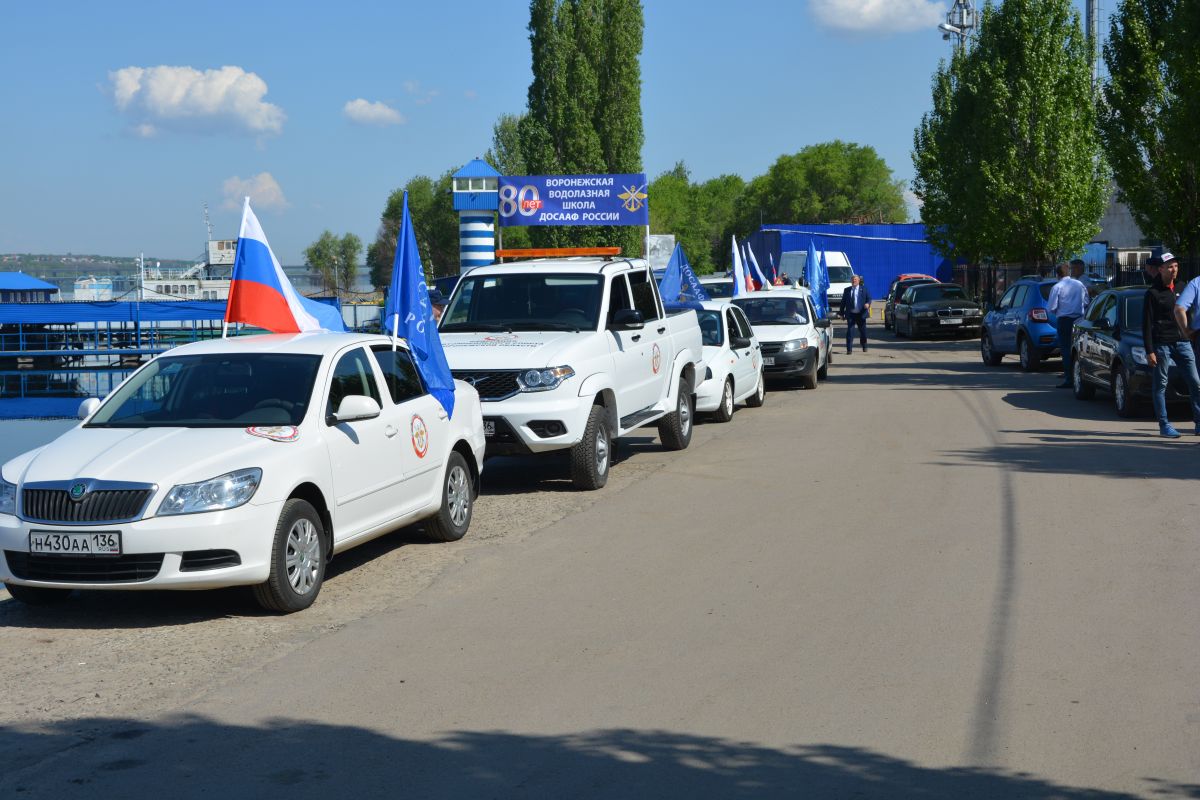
(973, 312)
(795, 344)
(925, 314)
(215, 494)
(8, 498)
(543, 380)
(1139, 355)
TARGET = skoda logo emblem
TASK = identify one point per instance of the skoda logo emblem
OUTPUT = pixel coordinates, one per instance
(78, 490)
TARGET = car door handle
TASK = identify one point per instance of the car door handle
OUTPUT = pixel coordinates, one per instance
(389, 431)
(637, 338)
(662, 329)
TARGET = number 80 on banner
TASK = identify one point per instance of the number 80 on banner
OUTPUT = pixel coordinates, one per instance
(526, 201)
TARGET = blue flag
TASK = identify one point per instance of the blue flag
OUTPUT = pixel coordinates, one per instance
(409, 314)
(818, 279)
(679, 284)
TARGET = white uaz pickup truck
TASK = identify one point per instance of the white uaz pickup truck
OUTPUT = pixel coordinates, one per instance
(571, 353)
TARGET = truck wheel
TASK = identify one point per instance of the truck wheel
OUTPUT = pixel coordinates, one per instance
(454, 516)
(37, 595)
(759, 397)
(675, 429)
(592, 455)
(297, 560)
(724, 411)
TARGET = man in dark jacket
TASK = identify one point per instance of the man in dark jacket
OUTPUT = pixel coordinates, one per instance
(856, 307)
(1164, 340)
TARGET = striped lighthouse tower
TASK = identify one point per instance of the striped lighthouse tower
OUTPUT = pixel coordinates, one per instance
(476, 199)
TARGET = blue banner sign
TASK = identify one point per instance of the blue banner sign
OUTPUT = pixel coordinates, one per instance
(573, 200)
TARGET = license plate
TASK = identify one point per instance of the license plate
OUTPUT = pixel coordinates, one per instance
(489, 427)
(952, 321)
(91, 543)
(769, 361)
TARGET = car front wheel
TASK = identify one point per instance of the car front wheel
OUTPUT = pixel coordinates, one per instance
(297, 560)
(988, 353)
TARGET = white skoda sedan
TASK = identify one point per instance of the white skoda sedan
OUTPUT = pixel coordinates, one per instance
(247, 461)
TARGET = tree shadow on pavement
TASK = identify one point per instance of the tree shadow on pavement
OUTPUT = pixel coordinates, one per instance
(195, 757)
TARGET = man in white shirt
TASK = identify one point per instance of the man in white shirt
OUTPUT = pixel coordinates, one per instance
(1068, 301)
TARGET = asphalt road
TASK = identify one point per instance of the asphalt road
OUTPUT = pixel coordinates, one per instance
(926, 579)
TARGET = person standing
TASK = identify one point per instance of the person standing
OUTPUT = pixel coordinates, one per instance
(856, 307)
(1165, 339)
(1187, 310)
(1068, 300)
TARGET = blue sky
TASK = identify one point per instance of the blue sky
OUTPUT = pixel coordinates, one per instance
(124, 118)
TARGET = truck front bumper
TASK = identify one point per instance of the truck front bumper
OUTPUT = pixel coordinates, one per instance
(534, 422)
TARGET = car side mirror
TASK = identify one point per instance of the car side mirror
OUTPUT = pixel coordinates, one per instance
(822, 322)
(627, 319)
(357, 406)
(87, 408)
(739, 342)
(1103, 324)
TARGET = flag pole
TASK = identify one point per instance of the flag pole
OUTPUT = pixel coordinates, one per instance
(395, 330)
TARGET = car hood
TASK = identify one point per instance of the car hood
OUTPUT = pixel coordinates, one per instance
(934, 305)
(165, 456)
(781, 333)
(520, 350)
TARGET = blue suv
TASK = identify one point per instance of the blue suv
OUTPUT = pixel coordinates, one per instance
(1021, 324)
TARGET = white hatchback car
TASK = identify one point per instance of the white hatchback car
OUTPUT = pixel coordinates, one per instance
(733, 361)
(246, 461)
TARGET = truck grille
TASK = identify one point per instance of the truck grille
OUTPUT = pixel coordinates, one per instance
(771, 349)
(491, 384)
(99, 505)
(84, 569)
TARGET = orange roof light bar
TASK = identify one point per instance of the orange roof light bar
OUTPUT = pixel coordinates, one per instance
(561, 252)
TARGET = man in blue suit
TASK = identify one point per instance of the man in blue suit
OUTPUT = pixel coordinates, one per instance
(856, 307)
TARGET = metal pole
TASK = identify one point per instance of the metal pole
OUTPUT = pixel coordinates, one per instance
(1093, 28)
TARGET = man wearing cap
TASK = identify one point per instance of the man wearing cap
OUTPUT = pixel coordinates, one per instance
(438, 301)
(1166, 339)
(1068, 300)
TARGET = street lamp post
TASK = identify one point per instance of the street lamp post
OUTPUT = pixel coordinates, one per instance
(960, 21)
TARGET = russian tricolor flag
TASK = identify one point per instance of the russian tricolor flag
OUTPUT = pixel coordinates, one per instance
(260, 294)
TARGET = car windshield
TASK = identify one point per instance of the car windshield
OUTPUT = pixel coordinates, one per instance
(526, 301)
(840, 274)
(929, 294)
(710, 327)
(718, 289)
(773, 310)
(213, 391)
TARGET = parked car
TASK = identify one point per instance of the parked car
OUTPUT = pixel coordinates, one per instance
(572, 353)
(246, 461)
(1109, 353)
(1021, 324)
(733, 365)
(717, 286)
(895, 291)
(795, 342)
(938, 308)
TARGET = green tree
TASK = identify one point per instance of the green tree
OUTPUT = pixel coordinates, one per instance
(1150, 120)
(335, 259)
(699, 214)
(829, 182)
(436, 224)
(1008, 160)
(584, 105)
(506, 156)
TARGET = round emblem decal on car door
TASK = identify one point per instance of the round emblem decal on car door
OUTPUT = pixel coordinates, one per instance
(420, 436)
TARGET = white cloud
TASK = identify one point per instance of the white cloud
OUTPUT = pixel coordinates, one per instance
(879, 16)
(183, 98)
(425, 96)
(367, 113)
(262, 189)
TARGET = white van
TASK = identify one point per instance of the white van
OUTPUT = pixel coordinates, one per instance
(795, 262)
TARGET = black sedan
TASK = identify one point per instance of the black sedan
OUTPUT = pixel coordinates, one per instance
(895, 292)
(935, 309)
(1109, 353)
